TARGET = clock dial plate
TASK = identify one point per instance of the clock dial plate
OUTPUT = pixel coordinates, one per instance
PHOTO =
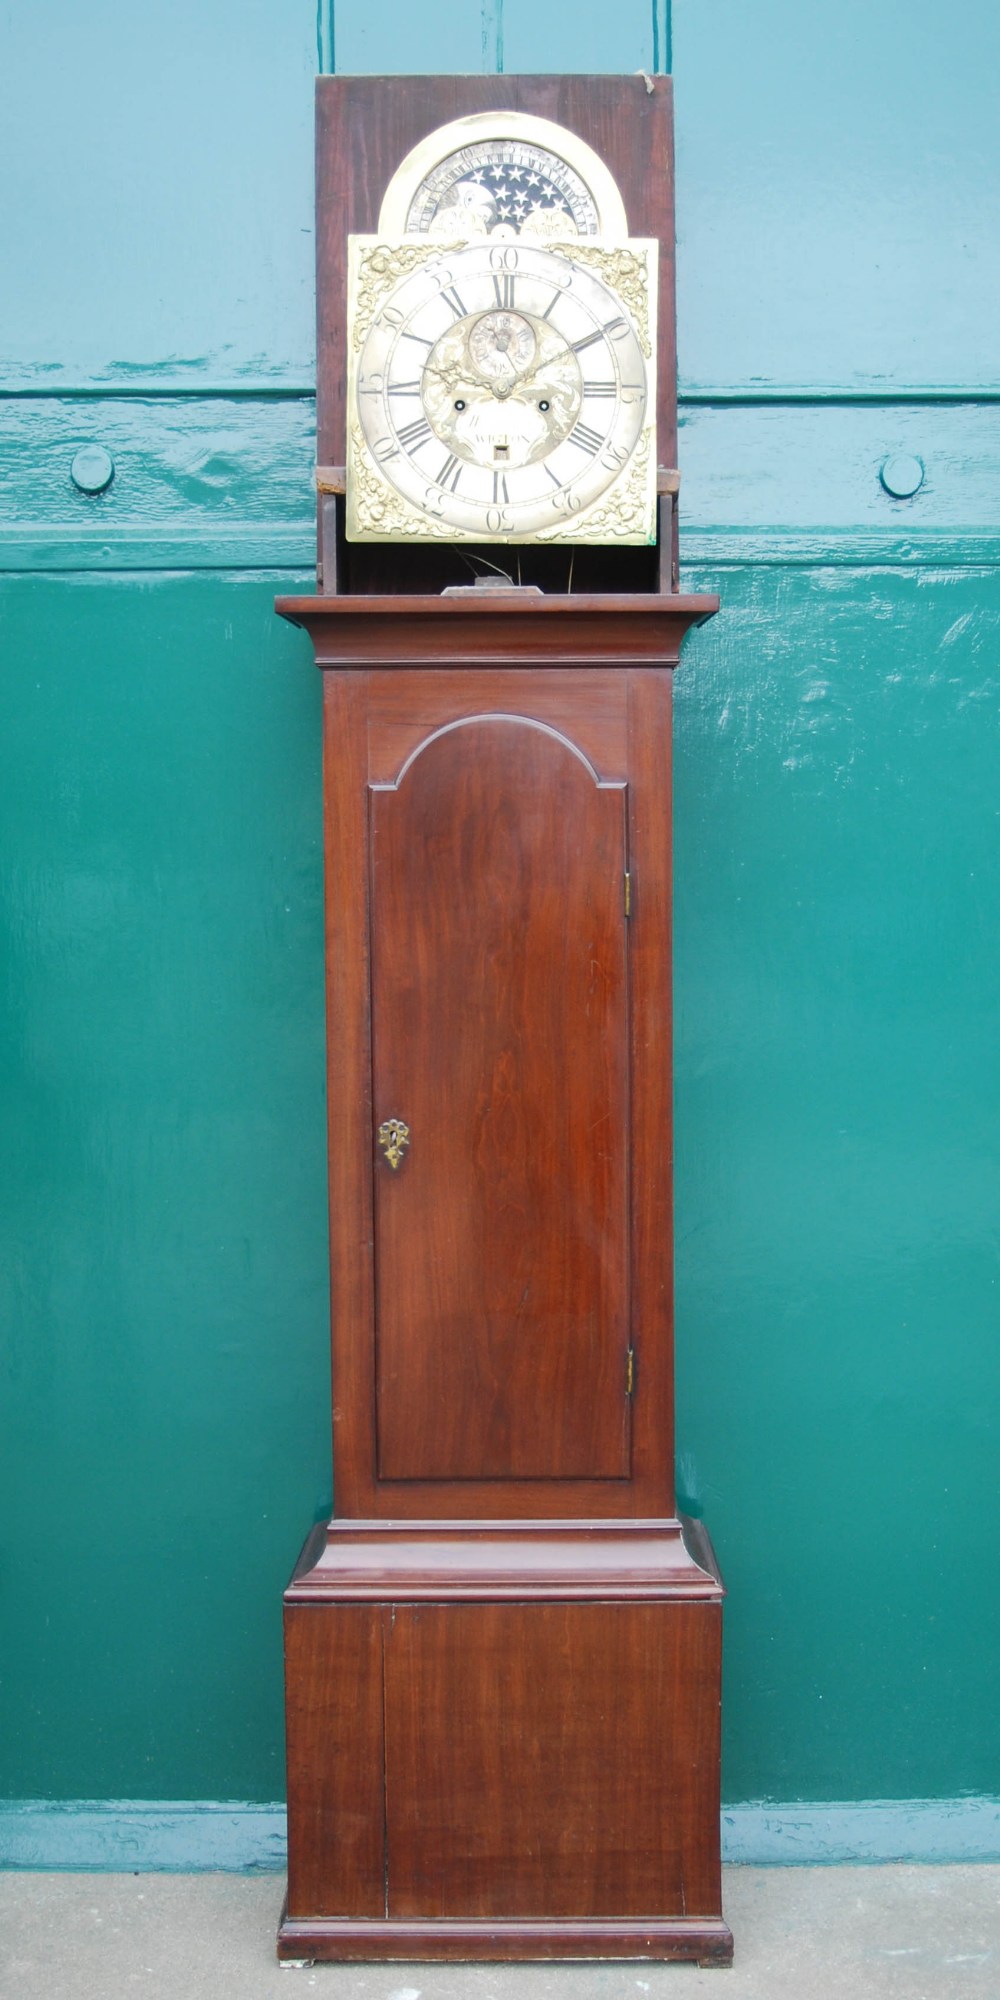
(502, 392)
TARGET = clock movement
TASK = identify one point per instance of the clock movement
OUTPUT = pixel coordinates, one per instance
(503, 1652)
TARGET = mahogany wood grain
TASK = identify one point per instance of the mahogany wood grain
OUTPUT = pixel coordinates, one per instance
(474, 1562)
(545, 1768)
(503, 1691)
(706, 1940)
(369, 720)
(348, 1060)
(333, 1720)
(651, 1203)
(501, 629)
(585, 1727)
(501, 1037)
(404, 712)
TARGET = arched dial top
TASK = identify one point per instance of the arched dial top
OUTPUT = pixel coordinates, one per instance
(502, 391)
(503, 175)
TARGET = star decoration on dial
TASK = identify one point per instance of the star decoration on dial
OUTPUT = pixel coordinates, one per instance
(512, 187)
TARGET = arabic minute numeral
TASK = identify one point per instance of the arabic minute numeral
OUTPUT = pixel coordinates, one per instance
(503, 264)
(497, 520)
(613, 457)
(588, 440)
(563, 285)
(385, 448)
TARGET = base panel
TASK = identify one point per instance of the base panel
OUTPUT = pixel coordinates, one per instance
(707, 1940)
(503, 1742)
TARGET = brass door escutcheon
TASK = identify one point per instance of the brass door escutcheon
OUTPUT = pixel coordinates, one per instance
(393, 1137)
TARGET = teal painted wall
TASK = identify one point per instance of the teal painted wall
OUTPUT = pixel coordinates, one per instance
(163, 1275)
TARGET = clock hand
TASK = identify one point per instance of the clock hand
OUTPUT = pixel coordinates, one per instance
(451, 377)
(533, 381)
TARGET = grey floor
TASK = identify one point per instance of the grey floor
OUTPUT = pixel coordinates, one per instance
(892, 1933)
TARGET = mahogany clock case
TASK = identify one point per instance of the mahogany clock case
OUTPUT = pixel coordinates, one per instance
(497, 783)
(503, 1654)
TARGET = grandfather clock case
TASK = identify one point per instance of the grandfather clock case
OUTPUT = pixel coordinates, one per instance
(503, 1652)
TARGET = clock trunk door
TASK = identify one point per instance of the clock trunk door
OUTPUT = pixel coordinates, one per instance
(500, 1041)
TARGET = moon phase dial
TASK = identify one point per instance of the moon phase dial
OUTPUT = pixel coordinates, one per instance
(504, 189)
(505, 175)
(502, 393)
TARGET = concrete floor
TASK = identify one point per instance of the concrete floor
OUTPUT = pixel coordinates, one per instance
(892, 1933)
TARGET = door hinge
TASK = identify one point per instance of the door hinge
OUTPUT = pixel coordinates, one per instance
(628, 895)
(630, 1372)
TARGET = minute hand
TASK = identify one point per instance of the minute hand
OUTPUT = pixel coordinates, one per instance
(541, 369)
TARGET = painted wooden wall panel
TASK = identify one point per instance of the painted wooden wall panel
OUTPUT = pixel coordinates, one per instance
(163, 1227)
(198, 481)
(562, 36)
(515, 36)
(775, 482)
(157, 176)
(394, 37)
(838, 191)
(838, 767)
(838, 1099)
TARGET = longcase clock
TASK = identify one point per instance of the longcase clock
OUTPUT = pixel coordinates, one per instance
(503, 1652)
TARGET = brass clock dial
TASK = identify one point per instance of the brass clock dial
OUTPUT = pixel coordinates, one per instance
(503, 391)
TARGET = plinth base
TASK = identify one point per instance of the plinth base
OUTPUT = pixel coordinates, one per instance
(708, 1940)
(503, 1743)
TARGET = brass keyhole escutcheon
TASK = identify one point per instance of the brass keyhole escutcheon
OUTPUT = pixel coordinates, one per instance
(393, 1137)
